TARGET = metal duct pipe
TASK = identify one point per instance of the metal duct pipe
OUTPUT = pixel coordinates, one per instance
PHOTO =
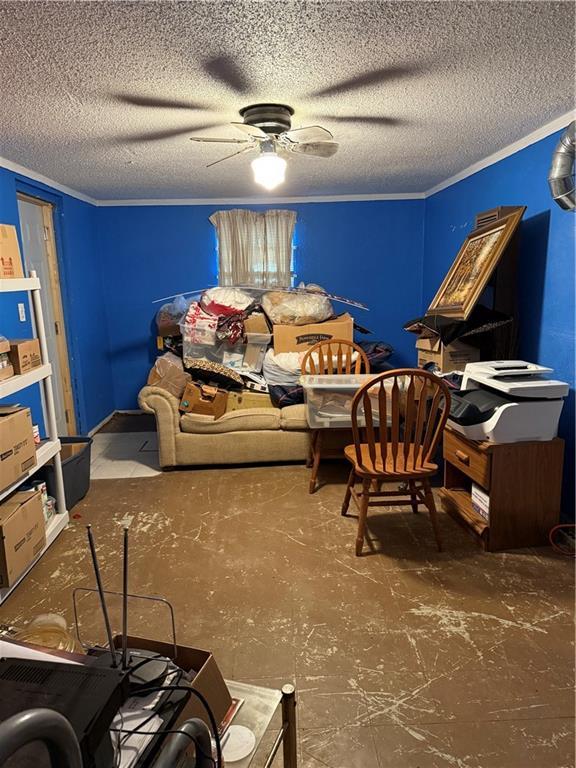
(561, 174)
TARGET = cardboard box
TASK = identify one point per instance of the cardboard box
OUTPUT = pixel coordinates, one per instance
(25, 355)
(447, 357)
(6, 367)
(206, 678)
(238, 401)
(256, 324)
(204, 399)
(10, 258)
(17, 449)
(6, 371)
(297, 338)
(258, 338)
(22, 532)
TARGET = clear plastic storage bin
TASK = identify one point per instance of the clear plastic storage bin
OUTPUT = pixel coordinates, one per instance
(240, 357)
(329, 400)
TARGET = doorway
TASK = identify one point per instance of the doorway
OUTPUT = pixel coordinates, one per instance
(39, 244)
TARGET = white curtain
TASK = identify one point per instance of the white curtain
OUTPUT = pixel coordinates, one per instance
(255, 248)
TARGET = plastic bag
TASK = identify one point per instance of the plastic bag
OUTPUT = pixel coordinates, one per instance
(49, 630)
(168, 373)
(169, 315)
(297, 308)
(198, 326)
(282, 369)
(226, 301)
(378, 353)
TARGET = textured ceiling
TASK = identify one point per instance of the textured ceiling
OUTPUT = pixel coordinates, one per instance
(439, 86)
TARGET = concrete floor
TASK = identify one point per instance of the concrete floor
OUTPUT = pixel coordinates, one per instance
(405, 658)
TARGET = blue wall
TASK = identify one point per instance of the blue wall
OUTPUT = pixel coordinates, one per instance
(81, 281)
(392, 255)
(546, 263)
(369, 251)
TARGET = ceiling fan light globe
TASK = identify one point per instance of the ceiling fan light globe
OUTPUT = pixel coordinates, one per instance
(269, 170)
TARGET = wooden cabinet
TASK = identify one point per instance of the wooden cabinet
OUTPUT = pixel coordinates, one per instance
(522, 481)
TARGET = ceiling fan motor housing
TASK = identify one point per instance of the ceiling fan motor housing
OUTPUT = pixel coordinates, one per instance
(270, 118)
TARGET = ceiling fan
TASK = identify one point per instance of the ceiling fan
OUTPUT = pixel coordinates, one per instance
(267, 128)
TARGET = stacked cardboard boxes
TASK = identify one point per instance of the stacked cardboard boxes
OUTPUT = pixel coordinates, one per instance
(22, 526)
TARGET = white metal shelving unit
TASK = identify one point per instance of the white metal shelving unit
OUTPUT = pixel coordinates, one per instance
(50, 448)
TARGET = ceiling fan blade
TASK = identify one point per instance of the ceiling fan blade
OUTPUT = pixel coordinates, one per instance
(240, 151)
(316, 148)
(366, 119)
(168, 134)
(367, 78)
(225, 69)
(308, 133)
(151, 101)
(211, 140)
(251, 130)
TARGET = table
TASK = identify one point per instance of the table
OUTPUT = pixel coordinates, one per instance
(260, 705)
(521, 484)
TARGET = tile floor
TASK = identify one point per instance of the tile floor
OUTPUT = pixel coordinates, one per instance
(124, 454)
(405, 658)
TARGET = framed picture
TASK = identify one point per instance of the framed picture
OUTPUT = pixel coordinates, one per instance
(473, 267)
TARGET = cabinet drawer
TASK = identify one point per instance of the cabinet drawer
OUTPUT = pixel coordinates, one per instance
(468, 459)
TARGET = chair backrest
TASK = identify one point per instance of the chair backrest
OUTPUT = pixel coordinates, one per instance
(335, 357)
(404, 412)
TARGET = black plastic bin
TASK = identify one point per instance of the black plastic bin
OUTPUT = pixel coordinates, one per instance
(75, 457)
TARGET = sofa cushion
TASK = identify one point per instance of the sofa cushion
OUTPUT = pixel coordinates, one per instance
(244, 420)
(293, 417)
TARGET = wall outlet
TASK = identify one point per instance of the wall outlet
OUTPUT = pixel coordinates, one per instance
(22, 313)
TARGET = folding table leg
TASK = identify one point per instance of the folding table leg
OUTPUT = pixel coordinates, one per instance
(289, 726)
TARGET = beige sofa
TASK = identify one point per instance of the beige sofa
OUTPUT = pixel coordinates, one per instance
(241, 436)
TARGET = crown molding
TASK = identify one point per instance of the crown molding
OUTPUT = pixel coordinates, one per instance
(29, 174)
(511, 149)
(265, 200)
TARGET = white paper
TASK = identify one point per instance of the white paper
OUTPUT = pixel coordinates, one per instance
(16, 651)
(132, 745)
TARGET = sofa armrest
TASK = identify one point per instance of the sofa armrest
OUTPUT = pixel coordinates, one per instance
(164, 406)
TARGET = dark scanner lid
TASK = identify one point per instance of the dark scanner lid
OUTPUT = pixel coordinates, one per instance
(475, 406)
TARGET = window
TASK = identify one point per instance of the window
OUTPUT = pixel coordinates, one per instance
(255, 248)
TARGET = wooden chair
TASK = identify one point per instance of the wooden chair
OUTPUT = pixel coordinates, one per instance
(330, 358)
(396, 444)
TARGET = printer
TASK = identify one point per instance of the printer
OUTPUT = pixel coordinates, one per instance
(507, 401)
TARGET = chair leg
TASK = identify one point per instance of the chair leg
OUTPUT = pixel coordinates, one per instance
(316, 462)
(431, 504)
(363, 515)
(413, 496)
(310, 459)
(348, 494)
